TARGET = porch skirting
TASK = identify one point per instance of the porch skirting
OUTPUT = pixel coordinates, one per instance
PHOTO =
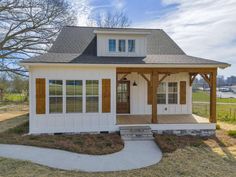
(193, 132)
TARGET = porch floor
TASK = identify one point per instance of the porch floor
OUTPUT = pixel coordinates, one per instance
(162, 119)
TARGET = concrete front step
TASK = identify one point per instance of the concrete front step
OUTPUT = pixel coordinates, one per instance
(136, 133)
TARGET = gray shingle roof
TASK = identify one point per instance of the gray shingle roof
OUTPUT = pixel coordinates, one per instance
(78, 45)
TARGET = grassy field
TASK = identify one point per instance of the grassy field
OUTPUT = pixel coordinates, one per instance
(202, 96)
(226, 111)
(183, 157)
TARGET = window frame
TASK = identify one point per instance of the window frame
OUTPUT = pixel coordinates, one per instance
(114, 46)
(133, 46)
(173, 92)
(74, 96)
(92, 95)
(119, 45)
(163, 93)
(56, 96)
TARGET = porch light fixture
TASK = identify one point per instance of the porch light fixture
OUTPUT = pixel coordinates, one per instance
(134, 84)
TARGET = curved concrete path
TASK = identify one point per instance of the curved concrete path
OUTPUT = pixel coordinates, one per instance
(136, 154)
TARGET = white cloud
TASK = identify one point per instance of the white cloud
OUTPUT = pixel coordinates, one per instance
(202, 28)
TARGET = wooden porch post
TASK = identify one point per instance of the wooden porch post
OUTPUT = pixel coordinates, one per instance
(154, 96)
(213, 97)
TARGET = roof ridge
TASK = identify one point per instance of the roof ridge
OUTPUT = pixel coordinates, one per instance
(74, 26)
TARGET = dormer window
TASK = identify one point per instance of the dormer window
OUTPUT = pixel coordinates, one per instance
(121, 45)
(131, 45)
(112, 45)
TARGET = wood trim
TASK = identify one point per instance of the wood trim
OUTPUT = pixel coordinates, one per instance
(40, 96)
(182, 92)
(123, 77)
(106, 95)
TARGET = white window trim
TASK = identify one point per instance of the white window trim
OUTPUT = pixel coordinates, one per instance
(73, 96)
(134, 46)
(48, 98)
(167, 92)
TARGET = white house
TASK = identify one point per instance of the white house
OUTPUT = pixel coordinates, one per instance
(98, 79)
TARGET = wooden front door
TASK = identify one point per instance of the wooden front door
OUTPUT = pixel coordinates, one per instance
(123, 97)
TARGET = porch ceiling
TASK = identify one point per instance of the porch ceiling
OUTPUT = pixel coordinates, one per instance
(162, 119)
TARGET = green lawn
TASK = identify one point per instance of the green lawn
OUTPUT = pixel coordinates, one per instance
(203, 96)
(14, 97)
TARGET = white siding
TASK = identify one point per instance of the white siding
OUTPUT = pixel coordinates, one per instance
(103, 48)
(72, 122)
(138, 96)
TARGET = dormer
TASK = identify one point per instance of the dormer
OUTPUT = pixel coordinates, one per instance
(121, 42)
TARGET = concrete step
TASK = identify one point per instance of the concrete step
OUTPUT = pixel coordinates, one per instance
(135, 128)
(136, 133)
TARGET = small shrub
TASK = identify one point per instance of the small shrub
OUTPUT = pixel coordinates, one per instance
(232, 133)
(218, 127)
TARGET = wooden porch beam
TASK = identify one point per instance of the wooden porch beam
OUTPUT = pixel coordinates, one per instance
(166, 70)
(213, 97)
(192, 76)
(123, 77)
(155, 78)
(163, 77)
(206, 78)
(144, 77)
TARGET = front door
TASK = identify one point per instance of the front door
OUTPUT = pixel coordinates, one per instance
(123, 97)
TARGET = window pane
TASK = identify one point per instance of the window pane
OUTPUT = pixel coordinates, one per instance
(112, 45)
(74, 96)
(74, 104)
(172, 87)
(172, 98)
(73, 87)
(161, 88)
(55, 105)
(122, 45)
(91, 87)
(131, 45)
(161, 98)
(55, 87)
(92, 104)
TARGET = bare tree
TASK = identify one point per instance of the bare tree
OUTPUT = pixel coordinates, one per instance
(28, 27)
(111, 20)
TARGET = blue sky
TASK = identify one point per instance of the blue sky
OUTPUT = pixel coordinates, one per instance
(203, 28)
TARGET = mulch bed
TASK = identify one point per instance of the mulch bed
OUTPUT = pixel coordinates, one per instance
(170, 143)
(96, 144)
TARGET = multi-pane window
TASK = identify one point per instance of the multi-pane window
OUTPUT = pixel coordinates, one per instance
(74, 96)
(92, 96)
(121, 45)
(172, 93)
(55, 96)
(161, 93)
(112, 45)
(131, 45)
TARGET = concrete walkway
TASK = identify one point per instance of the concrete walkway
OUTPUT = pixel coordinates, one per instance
(136, 154)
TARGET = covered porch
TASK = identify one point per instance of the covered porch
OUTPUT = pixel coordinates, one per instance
(162, 119)
(153, 77)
